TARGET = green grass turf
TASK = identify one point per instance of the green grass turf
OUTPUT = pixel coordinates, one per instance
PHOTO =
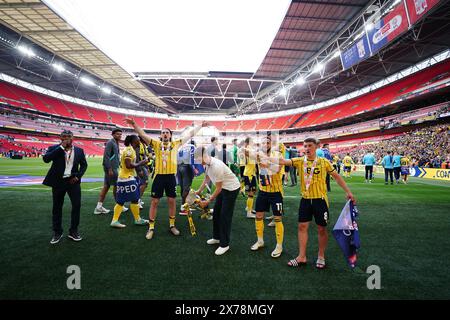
(404, 230)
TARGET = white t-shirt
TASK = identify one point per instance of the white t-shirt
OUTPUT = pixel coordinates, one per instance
(218, 171)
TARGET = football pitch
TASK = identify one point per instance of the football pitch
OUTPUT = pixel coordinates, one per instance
(404, 229)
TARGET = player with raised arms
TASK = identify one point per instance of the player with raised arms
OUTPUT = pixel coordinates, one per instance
(164, 180)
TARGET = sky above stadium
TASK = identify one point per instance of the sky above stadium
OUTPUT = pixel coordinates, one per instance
(178, 35)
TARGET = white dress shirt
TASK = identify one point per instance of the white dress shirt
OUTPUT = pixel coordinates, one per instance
(69, 156)
(218, 171)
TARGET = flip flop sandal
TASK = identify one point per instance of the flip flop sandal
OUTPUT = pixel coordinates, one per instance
(295, 264)
(320, 263)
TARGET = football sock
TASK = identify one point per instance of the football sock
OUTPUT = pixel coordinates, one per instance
(151, 224)
(99, 205)
(117, 212)
(135, 211)
(279, 231)
(259, 224)
(171, 221)
(249, 203)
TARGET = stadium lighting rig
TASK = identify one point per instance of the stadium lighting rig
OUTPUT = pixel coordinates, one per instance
(87, 81)
(58, 67)
(106, 90)
(353, 31)
(300, 81)
(336, 54)
(26, 51)
(318, 67)
(283, 92)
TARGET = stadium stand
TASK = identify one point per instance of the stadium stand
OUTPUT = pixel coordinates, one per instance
(92, 137)
(427, 147)
(409, 87)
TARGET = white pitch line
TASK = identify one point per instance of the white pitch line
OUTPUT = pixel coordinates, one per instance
(17, 188)
(93, 189)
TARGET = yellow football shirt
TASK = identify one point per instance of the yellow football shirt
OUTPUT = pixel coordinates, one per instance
(250, 165)
(318, 186)
(282, 150)
(347, 161)
(272, 176)
(124, 172)
(404, 161)
(335, 159)
(165, 156)
(143, 152)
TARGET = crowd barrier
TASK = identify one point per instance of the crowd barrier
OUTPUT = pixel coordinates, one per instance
(426, 173)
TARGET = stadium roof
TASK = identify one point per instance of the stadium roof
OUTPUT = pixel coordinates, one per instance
(312, 30)
(35, 21)
(307, 26)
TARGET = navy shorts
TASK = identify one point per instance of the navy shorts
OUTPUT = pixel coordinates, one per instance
(250, 183)
(127, 191)
(267, 200)
(241, 171)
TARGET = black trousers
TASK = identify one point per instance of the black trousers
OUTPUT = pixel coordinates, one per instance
(338, 168)
(369, 172)
(185, 177)
(397, 171)
(390, 173)
(293, 173)
(223, 214)
(74, 192)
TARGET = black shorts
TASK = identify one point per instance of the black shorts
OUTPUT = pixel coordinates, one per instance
(164, 183)
(250, 185)
(267, 200)
(241, 170)
(314, 207)
(347, 169)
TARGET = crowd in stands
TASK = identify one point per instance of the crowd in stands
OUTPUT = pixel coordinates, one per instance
(427, 147)
(9, 148)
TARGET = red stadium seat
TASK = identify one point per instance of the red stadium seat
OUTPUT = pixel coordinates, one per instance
(383, 97)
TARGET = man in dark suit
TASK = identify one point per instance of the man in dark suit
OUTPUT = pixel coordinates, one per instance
(68, 166)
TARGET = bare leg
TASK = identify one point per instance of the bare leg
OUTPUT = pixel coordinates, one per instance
(302, 240)
(103, 192)
(142, 189)
(323, 240)
(172, 202)
(153, 209)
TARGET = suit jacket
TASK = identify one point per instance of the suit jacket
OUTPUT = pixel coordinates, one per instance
(56, 155)
(111, 155)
